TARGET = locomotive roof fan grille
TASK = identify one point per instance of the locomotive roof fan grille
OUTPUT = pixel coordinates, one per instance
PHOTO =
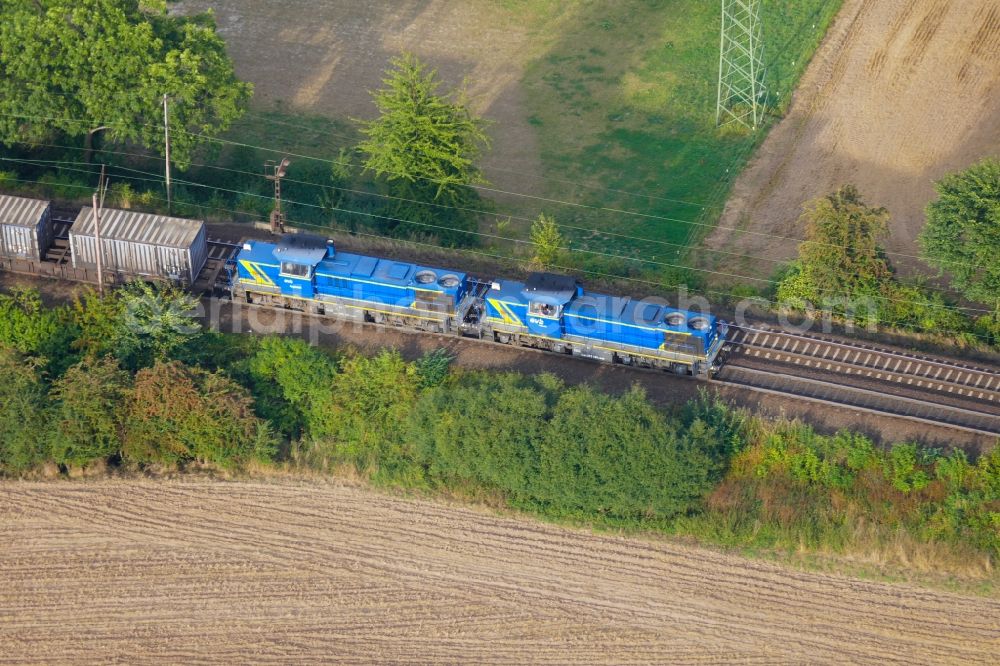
(675, 319)
(449, 281)
(425, 277)
(698, 323)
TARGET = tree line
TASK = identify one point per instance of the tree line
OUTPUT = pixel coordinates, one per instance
(131, 382)
(843, 269)
(77, 68)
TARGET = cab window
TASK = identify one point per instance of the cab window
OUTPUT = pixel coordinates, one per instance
(544, 309)
(295, 270)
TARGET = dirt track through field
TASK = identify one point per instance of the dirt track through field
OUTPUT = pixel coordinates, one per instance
(900, 93)
(199, 571)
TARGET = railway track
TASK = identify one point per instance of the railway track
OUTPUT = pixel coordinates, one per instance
(838, 373)
(865, 378)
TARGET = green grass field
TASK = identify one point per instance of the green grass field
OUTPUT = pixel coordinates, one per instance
(622, 95)
(625, 100)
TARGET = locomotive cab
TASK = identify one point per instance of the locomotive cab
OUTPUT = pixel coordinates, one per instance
(297, 256)
(547, 295)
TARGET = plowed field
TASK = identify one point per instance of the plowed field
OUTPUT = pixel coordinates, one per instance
(207, 572)
(900, 93)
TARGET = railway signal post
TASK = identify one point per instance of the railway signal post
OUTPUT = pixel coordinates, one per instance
(276, 171)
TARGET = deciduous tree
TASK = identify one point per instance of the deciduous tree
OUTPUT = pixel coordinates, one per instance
(293, 383)
(84, 66)
(137, 324)
(178, 413)
(962, 236)
(840, 260)
(371, 399)
(31, 328)
(482, 429)
(617, 457)
(23, 414)
(842, 269)
(155, 321)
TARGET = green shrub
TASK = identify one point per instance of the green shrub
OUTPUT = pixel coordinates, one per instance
(31, 328)
(138, 323)
(711, 471)
(123, 195)
(548, 241)
(292, 383)
(371, 400)
(178, 414)
(59, 186)
(913, 306)
(618, 458)
(792, 485)
(23, 413)
(723, 430)
(88, 413)
(482, 428)
(901, 469)
(987, 327)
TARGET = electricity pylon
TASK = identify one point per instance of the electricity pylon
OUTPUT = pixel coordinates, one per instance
(741, 65)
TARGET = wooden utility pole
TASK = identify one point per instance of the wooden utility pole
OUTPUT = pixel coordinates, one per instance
(99, 251)
(97, 247)
(166, 141)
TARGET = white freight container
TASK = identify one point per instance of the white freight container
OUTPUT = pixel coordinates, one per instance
(25, 227)
(141, 244)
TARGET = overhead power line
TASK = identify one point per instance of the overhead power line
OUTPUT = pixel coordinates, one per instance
(381, 195)
(581, 205)
(491, 166)
(524, 242)
(529, 196)
(570, 269)
(586, 229)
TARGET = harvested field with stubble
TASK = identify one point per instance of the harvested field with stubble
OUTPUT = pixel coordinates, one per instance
(900, 93)
(210, 572)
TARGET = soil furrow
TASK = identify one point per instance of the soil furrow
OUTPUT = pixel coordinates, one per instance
(206, 572)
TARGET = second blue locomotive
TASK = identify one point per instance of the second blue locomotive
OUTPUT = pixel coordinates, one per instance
(547, 311)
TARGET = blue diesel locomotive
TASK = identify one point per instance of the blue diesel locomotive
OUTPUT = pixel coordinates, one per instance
(548, 311)
(305, 273)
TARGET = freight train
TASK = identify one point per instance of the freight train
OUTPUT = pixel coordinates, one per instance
(307, 273)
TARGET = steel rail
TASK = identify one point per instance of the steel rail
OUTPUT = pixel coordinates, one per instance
(866, 349)
(867, 400)
(850, 369)
(775, 382)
